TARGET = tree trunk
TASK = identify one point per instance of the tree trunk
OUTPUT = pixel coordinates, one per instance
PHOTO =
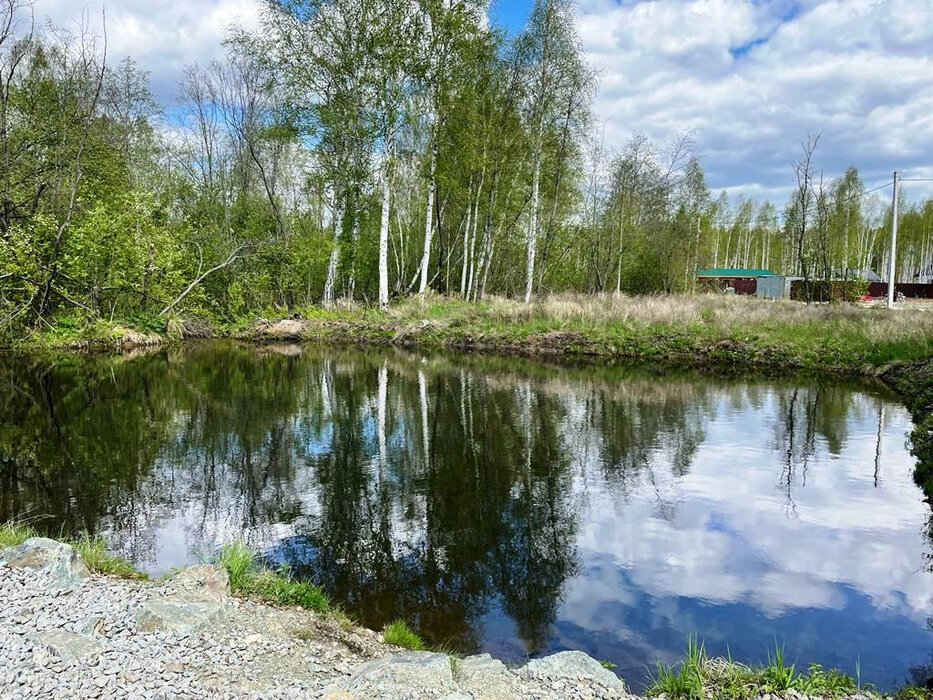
(334, 261)
(428, 224)
(384, 239)
(533, 231)
(466, 240)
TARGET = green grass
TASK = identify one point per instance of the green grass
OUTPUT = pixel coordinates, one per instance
(401, 635)
(14, 533)
(93, 551)
(698, 677)
(249, 578)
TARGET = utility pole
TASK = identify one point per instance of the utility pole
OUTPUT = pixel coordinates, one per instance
(893, 265)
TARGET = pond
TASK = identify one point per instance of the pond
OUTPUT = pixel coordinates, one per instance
(501, 504)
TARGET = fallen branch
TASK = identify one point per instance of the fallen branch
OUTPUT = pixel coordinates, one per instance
(197, 280)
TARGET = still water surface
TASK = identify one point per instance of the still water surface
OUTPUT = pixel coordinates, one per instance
(501, 505)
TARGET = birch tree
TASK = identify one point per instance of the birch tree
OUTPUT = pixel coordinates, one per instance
(549, 56)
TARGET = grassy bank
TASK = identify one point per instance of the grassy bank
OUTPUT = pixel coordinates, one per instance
(714, 328)
(698, 677)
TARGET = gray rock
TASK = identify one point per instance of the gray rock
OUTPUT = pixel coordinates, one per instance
(179, 615)
(200, 583)
(574, 665)
(409, 674)
(65, 569)
(91, 625)
(485, 677)
(68, 645)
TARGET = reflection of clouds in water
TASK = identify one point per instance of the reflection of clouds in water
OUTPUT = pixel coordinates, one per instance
(733, 541)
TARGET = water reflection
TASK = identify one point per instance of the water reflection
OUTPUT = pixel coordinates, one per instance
(500, 504)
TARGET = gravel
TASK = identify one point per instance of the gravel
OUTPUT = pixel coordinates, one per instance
(87, 643)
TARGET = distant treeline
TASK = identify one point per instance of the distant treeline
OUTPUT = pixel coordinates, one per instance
(367, 150)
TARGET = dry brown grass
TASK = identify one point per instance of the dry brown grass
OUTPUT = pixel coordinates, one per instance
(719, 310)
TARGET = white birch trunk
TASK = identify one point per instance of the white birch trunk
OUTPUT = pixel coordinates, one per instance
(533, 231)
(351, 284)
(466, 240)
(472, 272)
(428, 227)
(334, 261)
(384, 240)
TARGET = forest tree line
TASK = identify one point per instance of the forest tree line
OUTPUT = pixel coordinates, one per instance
(348, 149)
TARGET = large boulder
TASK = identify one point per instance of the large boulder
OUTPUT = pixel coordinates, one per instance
(60, 562)
(573, 665)
(197, 598)
(412, 674)
(181, 616)
(485, 678)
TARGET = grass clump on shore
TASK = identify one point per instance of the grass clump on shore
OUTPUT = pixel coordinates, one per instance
(93, 550)
(401, 635)
(698, 677)
(15, 533)
(248, 577)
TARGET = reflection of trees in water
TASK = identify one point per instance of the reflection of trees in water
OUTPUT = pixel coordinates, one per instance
(811, 417)
(424, 489)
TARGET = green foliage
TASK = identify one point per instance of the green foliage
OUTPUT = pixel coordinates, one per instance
(93, 551)
(683, 680)
(777, 674)
(248, 577)
(399, 634)
(239, 561)
(15, 533)
(279, 588)
(698, 677)
(910, 692)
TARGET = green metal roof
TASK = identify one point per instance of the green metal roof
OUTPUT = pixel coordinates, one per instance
(733, 272)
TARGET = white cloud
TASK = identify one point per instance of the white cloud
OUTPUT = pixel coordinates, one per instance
(162, 35)
(753, 79)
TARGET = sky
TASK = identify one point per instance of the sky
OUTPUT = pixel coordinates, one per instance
(749, 79)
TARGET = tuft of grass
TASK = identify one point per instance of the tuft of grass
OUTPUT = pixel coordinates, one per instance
(305, 634)
(686, 682)
(399, 634)
(777, 674)
(238, 560)
(93, 551)
(279, 588)
(15, 533)
(698, 677)
(248, 577)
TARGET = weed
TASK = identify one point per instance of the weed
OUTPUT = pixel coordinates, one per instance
(399, 634)
(93, 551)
(248, 577)
(238, 560)
(777, 675)
(14, 533)
(698, 677)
